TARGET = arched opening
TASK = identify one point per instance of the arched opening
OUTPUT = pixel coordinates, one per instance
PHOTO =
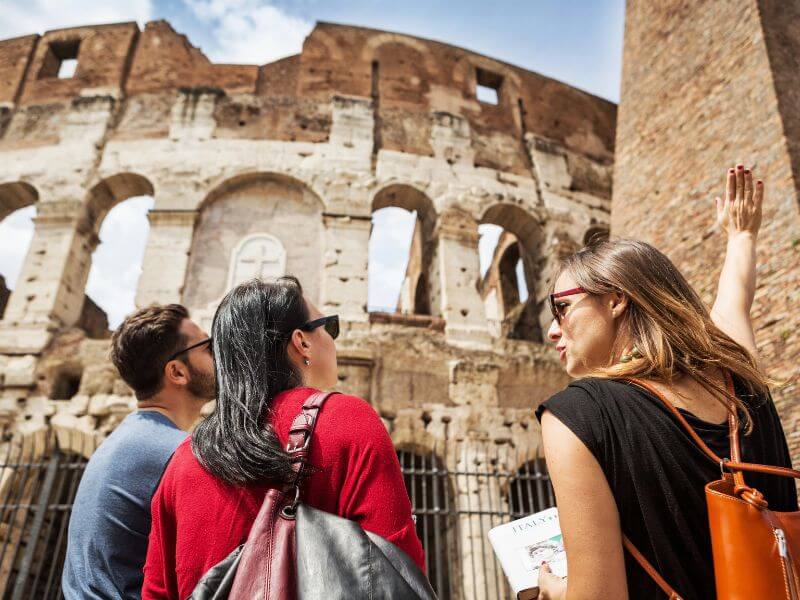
(38, 486)
(509, 249)
(17, 211)
(401, 248)
(530, 490)
(253, 225)
(432, 503)
(117, 213)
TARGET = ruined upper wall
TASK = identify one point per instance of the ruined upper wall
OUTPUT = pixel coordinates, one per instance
(412, 83)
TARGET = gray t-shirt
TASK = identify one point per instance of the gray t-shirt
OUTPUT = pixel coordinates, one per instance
(110, 521)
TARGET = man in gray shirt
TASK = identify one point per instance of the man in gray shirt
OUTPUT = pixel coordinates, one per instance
(166, 359)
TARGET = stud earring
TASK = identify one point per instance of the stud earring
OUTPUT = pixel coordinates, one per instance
(634, 353)
(308, 362)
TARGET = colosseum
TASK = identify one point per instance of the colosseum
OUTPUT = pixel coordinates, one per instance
(265, 170)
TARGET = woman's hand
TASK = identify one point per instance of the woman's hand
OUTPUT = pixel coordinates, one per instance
(739, 214)
(551, 587)
(740, 211)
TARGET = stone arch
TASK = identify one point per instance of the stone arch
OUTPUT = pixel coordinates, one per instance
(110, 191)
(15, 195)
(415, 289)
(247, 207)
(375, 42)
(98, 259)
(529, 237)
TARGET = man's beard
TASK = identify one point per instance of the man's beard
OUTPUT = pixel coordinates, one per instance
(202, 385)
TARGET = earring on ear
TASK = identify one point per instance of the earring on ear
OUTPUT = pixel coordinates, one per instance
(307, 362)
(634, 353)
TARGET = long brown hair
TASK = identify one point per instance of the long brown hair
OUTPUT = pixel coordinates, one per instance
(665, 319)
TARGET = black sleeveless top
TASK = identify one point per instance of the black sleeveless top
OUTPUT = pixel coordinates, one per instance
(657, 475)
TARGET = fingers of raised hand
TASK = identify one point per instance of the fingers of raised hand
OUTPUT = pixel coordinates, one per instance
(739, 182)
(730, 186)
(758, 198)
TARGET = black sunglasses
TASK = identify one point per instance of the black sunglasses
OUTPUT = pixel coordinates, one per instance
(330, 323)
(192, 347)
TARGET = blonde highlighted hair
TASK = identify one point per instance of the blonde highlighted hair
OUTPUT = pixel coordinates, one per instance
(665, 319)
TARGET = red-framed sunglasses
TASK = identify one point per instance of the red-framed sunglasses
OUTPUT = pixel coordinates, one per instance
(559, 312)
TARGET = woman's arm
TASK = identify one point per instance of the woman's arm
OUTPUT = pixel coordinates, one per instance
(739, 216)
(589, 520)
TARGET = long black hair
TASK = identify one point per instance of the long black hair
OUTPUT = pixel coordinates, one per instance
(250, 333)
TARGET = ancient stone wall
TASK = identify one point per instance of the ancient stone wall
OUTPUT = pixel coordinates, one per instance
(278, 169)
(703, 89)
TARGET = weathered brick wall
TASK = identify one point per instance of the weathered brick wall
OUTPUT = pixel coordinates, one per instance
(409, 79)
(707, 84)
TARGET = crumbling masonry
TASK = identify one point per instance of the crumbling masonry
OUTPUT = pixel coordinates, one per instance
(278, 169)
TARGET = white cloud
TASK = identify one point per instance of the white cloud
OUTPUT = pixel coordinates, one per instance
(16, 231)
(117, 262)
(22, 17)
(250, 31)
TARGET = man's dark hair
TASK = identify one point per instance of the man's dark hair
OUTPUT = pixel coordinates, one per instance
(142, 344)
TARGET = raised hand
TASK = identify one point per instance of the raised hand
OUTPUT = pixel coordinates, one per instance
(740, 211)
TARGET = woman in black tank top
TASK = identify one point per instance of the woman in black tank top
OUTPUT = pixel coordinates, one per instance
(619, 461)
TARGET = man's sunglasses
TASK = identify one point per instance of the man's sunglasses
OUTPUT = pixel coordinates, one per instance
(192, 347)
(559, 312)
(331, 325)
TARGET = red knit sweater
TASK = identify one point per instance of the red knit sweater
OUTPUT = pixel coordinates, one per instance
(198, 520)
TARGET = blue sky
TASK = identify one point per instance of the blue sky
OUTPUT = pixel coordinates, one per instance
(578, 42)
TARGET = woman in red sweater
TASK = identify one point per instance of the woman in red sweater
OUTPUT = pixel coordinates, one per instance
(272, 349)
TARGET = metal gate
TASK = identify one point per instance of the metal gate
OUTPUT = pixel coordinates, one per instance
(38, 482)
(457, 496)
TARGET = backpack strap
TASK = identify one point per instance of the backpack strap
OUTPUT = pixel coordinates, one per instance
(748, 494)
(300, 434)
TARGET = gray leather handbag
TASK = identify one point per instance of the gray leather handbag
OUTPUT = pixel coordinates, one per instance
(295, 551)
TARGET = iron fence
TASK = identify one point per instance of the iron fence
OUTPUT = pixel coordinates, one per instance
(457, 494)
(457, 497)
(38, 482)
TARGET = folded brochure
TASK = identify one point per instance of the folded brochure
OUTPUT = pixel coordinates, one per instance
(522, 545)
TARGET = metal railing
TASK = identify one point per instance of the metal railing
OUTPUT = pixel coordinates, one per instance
(457, 497)
(38, 482)
(457, 494)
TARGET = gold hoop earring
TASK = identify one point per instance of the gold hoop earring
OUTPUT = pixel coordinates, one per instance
(634, 353)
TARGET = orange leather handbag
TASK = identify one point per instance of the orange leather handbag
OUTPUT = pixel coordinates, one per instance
(756, 550)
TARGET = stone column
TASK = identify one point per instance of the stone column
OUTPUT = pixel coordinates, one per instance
(344, 270)
(454, 280)
(481, 579)
(166, 256)
(50, 290)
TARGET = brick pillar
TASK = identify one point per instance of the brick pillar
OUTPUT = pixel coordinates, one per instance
(704, 86)
(50, 289)
(454, 280)
(166, 256)
(344, 270)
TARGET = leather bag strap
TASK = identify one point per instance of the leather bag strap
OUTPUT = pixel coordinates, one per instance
(300, 434)
(645, 564)
(734, 465)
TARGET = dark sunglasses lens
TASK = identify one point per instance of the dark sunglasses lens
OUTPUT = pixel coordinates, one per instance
(332, 327)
